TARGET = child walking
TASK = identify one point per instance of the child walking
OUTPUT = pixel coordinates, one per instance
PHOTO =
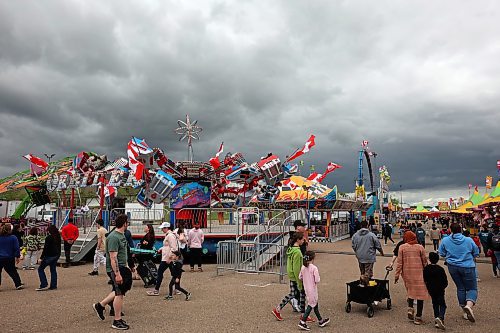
(309, 274)
(33, 246)
(293, 265)
(176, 272)
(436, 282)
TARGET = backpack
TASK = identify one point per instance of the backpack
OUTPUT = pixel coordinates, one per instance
(495, 242)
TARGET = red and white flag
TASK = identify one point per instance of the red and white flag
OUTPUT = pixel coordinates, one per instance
(37, 164)
(135, 148)
(315, 177)
(290, 183)
(330, 168)
(364, 143)
(214, 161)
(308, 145)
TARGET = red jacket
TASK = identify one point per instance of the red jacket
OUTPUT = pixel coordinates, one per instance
(70, 232)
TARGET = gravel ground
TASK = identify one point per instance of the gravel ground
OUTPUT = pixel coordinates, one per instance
(231, 303)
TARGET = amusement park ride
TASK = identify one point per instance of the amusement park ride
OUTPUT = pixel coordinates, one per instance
(193, 189)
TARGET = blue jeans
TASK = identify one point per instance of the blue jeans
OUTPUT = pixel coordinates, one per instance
(497, 255)
(51, 262)
(466, 282)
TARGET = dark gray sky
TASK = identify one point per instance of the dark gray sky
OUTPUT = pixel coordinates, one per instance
(419, 80)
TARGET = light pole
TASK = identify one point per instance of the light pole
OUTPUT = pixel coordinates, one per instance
(306, 188)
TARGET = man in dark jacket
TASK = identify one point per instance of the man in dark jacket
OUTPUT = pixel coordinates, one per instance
(420, 232)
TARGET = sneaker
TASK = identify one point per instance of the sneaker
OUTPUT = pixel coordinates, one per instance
(200, 269)
(418, 321)
(478, 280)
(53, 288)
(169, 298)
(464, 315)
(177, 292)
(469, 313)
(192, 270)
(188, 296)
(411, 314)
(20, 287)
(94, 273)
(309, 319)
(119, 325)
(277, 314)
(99, 310)
(439, 323)
(324, 322)
(303, 326)
(42, 288)
(32, 268)
(153, 292)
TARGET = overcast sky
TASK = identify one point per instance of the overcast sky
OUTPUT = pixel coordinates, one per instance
(419, 79)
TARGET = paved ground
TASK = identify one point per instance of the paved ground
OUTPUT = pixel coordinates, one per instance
(230, 303)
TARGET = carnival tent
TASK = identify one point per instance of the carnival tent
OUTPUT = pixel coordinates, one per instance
(474, 200)
(419, 210)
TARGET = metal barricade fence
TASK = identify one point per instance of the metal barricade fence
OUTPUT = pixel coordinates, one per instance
(251, 257)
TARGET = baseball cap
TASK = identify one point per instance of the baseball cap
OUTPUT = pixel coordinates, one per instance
(164, 225)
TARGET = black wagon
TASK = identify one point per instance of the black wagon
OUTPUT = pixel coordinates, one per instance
(368, 295)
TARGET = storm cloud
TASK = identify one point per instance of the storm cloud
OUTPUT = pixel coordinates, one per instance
(419, 80)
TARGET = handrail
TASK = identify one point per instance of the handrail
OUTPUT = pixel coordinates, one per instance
(66, 217)
(90, 229)
(257, 229)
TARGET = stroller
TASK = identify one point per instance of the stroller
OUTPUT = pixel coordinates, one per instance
(369, 294)
(146, 268)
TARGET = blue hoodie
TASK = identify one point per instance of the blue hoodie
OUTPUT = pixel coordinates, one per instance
(459, 250)
(9, 247)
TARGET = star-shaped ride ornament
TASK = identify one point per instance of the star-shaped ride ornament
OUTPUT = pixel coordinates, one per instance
(188, 130)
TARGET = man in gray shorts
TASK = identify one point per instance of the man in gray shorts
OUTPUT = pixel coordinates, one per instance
(119, 273)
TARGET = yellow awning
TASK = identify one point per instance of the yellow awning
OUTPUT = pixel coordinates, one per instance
(463, 209)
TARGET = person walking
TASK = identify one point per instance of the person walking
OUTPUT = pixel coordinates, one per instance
(435, 236)
(195, 243)
(50, 255)
(176, 272)
(365, 244)
(459, 253)
(410, 265)
(293, 266)
(484, 234)
(387, 233)
(169, 245)
(70, 234)
(436, 282)
(33, 245)
(309, 275)
(100, 251)
(182, 240)
(120, 274)
(420, 233)
(10, 254)
(494, 243)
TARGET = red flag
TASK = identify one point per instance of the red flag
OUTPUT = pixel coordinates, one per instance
(470, 186)
(475, 189)
(315, 177)
(214, 161)
(330, 168)
(308, 145)
(37, 164)
(364, 143)
(221, 149)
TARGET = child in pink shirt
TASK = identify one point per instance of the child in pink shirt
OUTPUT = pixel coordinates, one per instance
(309, 275)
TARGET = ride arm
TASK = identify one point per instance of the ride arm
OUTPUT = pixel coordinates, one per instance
(23, 208)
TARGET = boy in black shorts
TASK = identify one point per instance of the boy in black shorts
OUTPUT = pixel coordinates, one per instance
(119, 273)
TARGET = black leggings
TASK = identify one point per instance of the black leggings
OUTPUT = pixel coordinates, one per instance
(177, 286)
(388, 237)
(420, 306)
(308, 311)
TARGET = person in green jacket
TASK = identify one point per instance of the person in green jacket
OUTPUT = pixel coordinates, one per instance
(293, 266)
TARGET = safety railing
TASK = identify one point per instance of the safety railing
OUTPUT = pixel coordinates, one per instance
(90, 230)
(248, 257)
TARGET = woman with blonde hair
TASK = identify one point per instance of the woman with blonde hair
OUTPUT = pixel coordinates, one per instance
(410, 265)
